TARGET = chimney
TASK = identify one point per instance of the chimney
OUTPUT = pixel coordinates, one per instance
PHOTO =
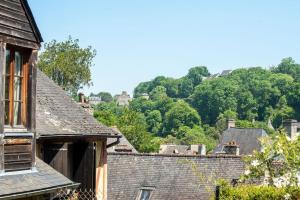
(81, 97)
(291, 126)
(231, 148)
(230, 123)
(198, 149)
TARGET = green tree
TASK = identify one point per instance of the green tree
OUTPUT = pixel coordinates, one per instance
(133, 125)
(181, 114)
(288, 66)
(105, 96)
(67, 64)
(196, 74)
(154, 121)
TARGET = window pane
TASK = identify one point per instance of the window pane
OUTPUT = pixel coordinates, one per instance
(6, 114)
(7, 61)
(6, 87)
(17, 89)
(145, 195)
(17, 113)
(18, 63)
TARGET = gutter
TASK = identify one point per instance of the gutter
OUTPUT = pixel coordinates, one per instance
(113, 143)
(38, 192)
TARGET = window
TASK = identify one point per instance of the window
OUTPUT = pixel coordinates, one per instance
(145, 193)
(16, 84)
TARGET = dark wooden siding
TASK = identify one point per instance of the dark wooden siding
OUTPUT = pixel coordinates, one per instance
(14, 22)
(17, 154)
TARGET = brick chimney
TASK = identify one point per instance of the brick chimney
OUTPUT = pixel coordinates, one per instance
(231, 148)
(81, 97)
(198, 149)
(291, 126)
(230, 123)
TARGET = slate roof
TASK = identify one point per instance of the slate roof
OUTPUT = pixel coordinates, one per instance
(45, 178)
(246, 138)
(57, 114)
(171, 176)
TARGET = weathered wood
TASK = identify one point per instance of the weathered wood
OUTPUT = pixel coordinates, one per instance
(24, 157)
(19, 42)
(6, 21)
(7, 12)
(32, 91)
(17, 33)
(8, 149)
(18, 141)
(58, 156)
(84, 173)
(17, 166)
(2, 67)
(12, 5)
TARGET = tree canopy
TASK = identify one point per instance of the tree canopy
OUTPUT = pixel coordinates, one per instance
(194, 108)
(67, 64)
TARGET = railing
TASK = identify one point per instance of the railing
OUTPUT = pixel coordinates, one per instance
(77, 194)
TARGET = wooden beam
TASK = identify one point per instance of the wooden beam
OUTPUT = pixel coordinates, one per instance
(31, 122)
(2, 67)
(19, 42)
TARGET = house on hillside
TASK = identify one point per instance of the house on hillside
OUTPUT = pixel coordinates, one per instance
(70, 139)
(242, 141)
(22, 174)
(123, 99)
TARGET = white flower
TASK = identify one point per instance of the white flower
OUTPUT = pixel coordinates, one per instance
(287, 196)
(255, 163)
(247, 172)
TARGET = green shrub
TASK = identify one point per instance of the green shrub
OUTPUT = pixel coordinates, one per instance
(256, 192)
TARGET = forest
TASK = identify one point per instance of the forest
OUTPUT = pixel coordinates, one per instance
(193, 109)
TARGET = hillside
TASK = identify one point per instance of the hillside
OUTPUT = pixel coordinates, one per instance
(194, 108)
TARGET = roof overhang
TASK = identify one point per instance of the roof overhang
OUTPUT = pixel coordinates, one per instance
(39, 192)
(75, 137)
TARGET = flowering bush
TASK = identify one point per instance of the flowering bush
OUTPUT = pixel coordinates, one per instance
(277, 164)
(250, 192)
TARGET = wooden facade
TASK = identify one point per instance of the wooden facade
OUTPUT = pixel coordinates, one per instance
(18, 33)
(81, 161)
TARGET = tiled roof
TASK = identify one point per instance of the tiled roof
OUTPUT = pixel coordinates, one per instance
(246, 138)
(45, 178)
(171, 176)
(57, 114)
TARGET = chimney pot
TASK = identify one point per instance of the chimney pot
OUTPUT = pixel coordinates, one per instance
(291, 127)
(230, 123)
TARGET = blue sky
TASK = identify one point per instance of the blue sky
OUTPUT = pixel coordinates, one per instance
(137, 40)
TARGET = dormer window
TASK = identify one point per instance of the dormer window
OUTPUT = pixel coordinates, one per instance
(145, 193)
(16, 86)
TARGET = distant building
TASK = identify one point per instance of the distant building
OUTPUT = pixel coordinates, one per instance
(94, 100)
(145, 96)
(239, 141)
(182, 149)
(292, 128)
(123, 99)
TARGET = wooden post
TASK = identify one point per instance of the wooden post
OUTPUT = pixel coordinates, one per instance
(101, 170)
(2, 109)
(31, 115)
(2, 67)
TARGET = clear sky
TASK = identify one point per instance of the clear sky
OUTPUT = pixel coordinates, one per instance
(137, 40)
